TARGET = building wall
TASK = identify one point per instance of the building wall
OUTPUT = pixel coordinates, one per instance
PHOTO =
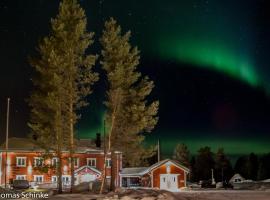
(146, 180)
(29, 170)
(173, 170)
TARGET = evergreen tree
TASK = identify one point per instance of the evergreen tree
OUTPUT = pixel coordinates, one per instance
(46, 102)
(241, 166)
(64, 79)
(181, 154)
(69, 28)
(264, 166)
(248, 166)
(204, 163)
(129, 114)
(193, 171)
(223, 166)
(252, 166)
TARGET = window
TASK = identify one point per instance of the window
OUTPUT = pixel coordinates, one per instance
(38, 161)
(54, 161)
(237, 180)
(76, 162)
(38, 178)
(54, 179)
(20, 177)
(108, 162)
(91, 162)
(66, 179)
(21, 161)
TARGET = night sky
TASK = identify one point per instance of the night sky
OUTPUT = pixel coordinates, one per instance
(208, 58)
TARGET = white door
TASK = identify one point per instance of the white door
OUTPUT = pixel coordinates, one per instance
(169, 182)
(87, 178)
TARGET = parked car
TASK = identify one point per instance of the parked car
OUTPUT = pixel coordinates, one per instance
(219, 185)
(20, 184)
(227, 185)
(207, 184)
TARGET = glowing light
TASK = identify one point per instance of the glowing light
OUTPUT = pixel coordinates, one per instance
(8, 166)
(212, 55)
(48, 162)
(168, 168)
(65, 168)
(8, 161)
(232, 146)
(29, 169)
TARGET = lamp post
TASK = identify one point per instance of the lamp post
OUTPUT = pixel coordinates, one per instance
(213, 179)
(158, 151)
(7, 131)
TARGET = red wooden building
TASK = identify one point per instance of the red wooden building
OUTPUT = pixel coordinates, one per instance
(167, 174)
(23, 160)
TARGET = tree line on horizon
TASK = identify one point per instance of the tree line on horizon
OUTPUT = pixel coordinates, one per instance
(64, 77)
(251, 167)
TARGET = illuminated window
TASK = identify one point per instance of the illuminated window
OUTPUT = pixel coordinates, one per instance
(76, 162)
(54, 161)
(38, 161)
(91, 162)
(20, 177)
(108, 162)
(66, 179)
(54, 179)
(21, 161)
(38, 178)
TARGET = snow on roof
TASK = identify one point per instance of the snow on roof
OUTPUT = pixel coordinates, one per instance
(168, 160)
(138, 171)
(236, 176)
(133, 170)
(26, 144)
(86, 167)
(19, 143)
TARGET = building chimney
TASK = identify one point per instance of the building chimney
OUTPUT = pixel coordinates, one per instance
(98, 140)
(34, 137)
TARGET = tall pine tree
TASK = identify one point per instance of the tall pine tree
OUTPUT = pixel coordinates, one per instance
(64, 79)
(181, 154)
(129, 114)
(223, 166)
(204, 163)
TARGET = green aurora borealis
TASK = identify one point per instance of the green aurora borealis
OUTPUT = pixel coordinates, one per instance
(211, 55)
(208, 58)
(211, 35)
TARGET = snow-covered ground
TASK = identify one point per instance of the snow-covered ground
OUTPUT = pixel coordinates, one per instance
(163, 195)
(224, 195)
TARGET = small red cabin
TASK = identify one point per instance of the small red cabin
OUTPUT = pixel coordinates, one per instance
(167, 174)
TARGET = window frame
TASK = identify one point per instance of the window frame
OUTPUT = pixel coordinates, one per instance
(76, 162)
(18, 177)
(56, 178)
(35, 163)
(108, 163)
(91, 160)
(20, 158)
(56, 161)
(66, 177)
(42, 177)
